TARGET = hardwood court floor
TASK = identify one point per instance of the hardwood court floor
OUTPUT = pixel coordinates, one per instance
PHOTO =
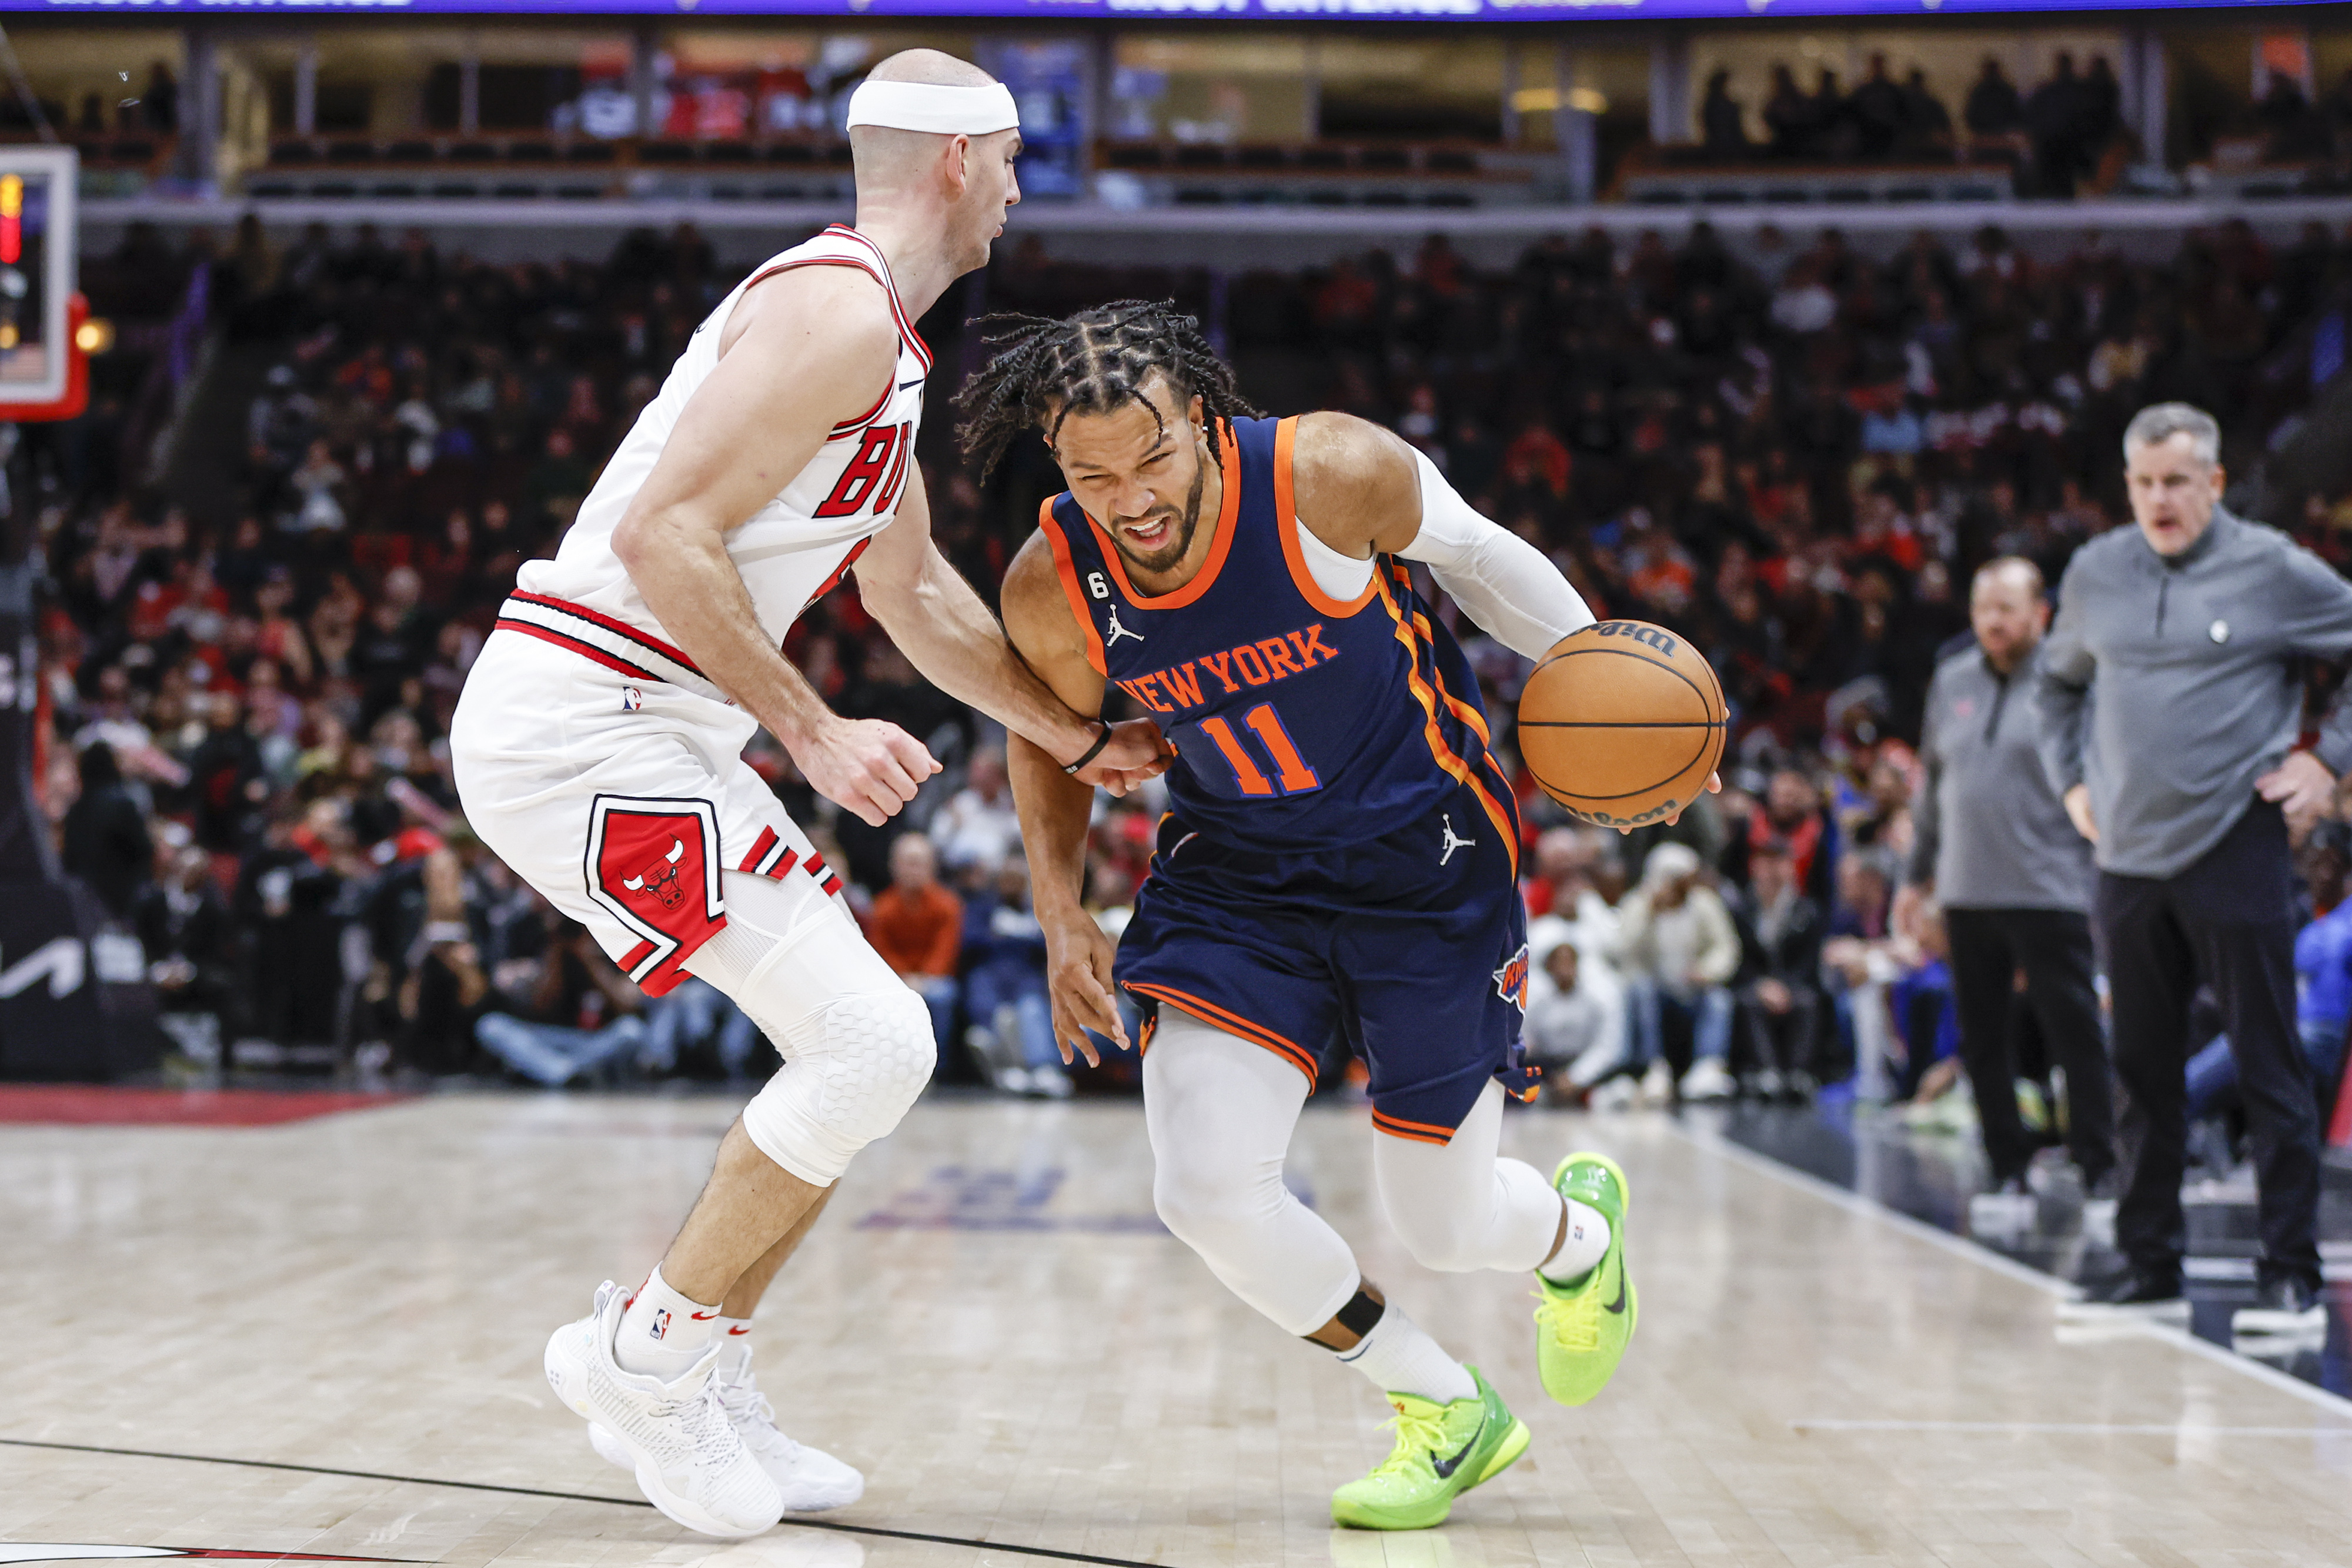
(992, 1325)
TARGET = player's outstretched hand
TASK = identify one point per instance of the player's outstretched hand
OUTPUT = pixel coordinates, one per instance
(868, 765)
(1077, 978)
(1135, 752)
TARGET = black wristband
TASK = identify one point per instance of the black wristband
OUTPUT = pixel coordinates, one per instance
(1092, 751)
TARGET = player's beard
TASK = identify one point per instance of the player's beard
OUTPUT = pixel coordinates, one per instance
(1187, 522)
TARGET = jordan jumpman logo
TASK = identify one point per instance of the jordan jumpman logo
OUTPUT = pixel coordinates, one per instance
(1453, 841)
(1118, 631)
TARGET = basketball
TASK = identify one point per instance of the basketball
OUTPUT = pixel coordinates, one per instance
(1621, 723)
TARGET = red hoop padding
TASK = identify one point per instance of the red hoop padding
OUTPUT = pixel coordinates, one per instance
(77, 393)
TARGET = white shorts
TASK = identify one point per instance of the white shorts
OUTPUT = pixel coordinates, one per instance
(621, 799)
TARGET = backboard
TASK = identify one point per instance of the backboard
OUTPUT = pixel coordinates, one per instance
(37, 248)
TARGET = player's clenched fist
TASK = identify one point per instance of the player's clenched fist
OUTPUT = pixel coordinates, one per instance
(868, 765)
(1078, 979)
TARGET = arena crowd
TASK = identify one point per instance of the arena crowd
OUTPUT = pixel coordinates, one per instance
(1795, 453)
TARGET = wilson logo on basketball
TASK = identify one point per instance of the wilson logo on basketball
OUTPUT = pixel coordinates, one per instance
(1641, 632)
(1511, 979)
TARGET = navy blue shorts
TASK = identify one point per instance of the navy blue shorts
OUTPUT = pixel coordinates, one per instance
(1414, 946)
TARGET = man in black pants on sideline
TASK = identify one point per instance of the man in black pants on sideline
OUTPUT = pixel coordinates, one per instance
(2191, 626)
(1992, 842)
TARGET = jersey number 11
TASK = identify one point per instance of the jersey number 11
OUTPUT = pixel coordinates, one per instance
(1292, 775)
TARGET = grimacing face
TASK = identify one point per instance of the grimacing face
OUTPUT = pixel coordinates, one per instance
(1138, 476)
(2173, 491)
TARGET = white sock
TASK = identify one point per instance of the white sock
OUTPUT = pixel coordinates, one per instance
(1581, 1252)
(735, 1335)
(1400, 1358)
(663, 1334)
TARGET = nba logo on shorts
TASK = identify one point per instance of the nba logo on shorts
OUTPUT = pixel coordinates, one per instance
(631, 699)
(661, 1325)
(1511, 979)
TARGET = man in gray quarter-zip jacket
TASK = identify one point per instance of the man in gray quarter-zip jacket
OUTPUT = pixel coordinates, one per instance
(2191, 627)
(1991, 840)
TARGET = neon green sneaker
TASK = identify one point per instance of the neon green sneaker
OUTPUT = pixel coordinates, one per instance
(1442, 1451)
(1581, 1330)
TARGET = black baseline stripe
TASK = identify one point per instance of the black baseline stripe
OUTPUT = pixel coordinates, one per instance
(793, 1520)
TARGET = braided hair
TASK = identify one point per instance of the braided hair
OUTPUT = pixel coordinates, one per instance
(1044, 370)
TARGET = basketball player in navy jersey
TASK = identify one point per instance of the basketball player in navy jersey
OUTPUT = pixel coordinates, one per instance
(1340, 853)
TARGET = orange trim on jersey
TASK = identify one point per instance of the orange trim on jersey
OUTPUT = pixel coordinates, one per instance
(1419, 1131)
(1069, 571)
(1286, 523)
(1210, 1013)
(1461, 710)
(1230, 464)
(1447, 757)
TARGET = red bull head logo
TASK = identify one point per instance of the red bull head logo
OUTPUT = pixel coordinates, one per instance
(1511, 979)
(660, 879)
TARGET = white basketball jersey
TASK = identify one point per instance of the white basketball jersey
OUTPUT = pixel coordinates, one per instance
(794, 549)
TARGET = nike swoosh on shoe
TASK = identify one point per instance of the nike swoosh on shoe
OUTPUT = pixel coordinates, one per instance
(1618, 1306)
(1445, 1467)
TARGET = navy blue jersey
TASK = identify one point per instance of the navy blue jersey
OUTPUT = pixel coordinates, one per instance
(1301, 723)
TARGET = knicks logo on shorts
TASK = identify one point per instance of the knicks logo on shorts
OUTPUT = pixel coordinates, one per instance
(653, 865)
(1511, 979)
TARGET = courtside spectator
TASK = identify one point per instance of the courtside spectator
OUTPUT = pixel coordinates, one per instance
(1011, 1031)
(977, 826)
(1680, 951)
(582, 1015)
(917, 928)
(1567, 1022)
(1780, 990)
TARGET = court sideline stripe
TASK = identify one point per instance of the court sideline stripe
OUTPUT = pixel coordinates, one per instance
(796, 1523)
(1985, 1257)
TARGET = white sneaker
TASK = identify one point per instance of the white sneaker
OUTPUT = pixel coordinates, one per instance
(1050, 1084)
(1658, 1083)
(1707, 1079)
(676, 1435)
(808, 1479)
(1013, 1080)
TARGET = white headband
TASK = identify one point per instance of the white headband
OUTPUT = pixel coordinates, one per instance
(941, 110)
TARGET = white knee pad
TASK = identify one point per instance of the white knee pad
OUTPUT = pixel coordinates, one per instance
(857, 1040)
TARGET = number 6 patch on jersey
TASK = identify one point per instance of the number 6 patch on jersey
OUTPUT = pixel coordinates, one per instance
(653, 865)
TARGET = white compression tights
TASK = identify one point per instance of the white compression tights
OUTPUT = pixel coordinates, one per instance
(1221, 1111)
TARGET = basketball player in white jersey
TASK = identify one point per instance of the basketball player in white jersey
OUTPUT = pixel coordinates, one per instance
(598, 751)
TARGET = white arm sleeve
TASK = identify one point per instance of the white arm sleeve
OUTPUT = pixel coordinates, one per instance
(1503, 584)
